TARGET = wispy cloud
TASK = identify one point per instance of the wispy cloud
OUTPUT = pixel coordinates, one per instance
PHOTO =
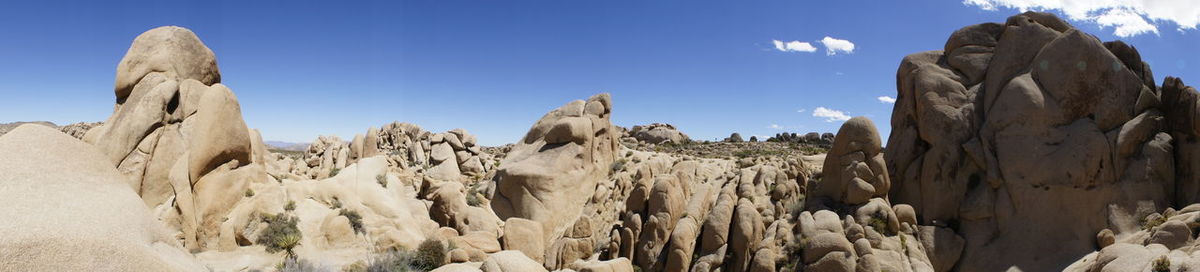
(830, 115)
(775, 127)
(1127, 18)
(887, 99)
(833, 46)
(794, 46)
(801, 110)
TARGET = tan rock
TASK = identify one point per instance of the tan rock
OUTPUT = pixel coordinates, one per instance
(549, 176)
(524, 235)
(510, 261)
(53, 182)
(854, 168)
(171, 50)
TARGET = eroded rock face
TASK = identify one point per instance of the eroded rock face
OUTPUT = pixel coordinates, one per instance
(854, 168)
(177, 134)
(551, 173)
(658, 133)
(1012, 124)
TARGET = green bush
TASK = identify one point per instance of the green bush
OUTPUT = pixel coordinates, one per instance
(355, 219)
(392, 261)
(336, 204)
(1153, 222)
(618, 165)
(473, 199)
(878, 224)
(249, 192)
(281, 233)
(291, 206)
(334, 172)
(430, 254)
(1162, 264)
(382, 179)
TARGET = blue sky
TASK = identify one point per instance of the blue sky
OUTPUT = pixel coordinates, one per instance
(303, 69)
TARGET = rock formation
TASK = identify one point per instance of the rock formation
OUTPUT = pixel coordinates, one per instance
(67, 209)
(452, 155)
(551, 173)
(177, 134)
(1027, 145)
(658, 133)
(1012, 125)
(854, 170)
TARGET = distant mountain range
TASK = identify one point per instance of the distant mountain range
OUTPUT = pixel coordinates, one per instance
(281, 145)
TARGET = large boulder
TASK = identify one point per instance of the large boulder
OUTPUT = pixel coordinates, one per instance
(1011, 124)
(658, 133)
(854, 170)
(66, 208)
(174, 125)
(551, 173)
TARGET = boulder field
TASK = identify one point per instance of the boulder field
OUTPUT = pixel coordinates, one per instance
(1026, 145)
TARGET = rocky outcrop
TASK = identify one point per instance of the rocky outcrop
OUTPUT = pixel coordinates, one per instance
(67, 209)
(812, 138)
(450, 156)
(1011, 124)
(854, 170)
(1165, 242)
(551, 173)
(734, 138)
(658, 133)
(850, 225)
(177, 134)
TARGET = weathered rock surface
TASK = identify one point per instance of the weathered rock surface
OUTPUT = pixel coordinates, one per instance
(67, 209)
(551, 173)
(658, 133)
(854, 168)
(177, 134)
(1011, 124)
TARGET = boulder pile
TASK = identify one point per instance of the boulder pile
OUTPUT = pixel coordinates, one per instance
(452, 155)
(658, 133)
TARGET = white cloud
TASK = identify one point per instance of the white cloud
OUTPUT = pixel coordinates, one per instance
(1126, 17)
(775, 127)
(794, 46)
(801, 110)
(887, 99)
(830, 115)
(833, 46)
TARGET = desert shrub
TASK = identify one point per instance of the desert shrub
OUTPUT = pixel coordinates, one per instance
(249, 192)
(618, 165)
(382, 179)
(291, 206)
(1153, 222)
(878, 224)
(355, 219)
(281, 233)
(1162, 264)
(392, 261)
(795, 208)
(429, 255)
(293, 264)
(473, 195)
(336, 204)
(473, 199)
(334, 172)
